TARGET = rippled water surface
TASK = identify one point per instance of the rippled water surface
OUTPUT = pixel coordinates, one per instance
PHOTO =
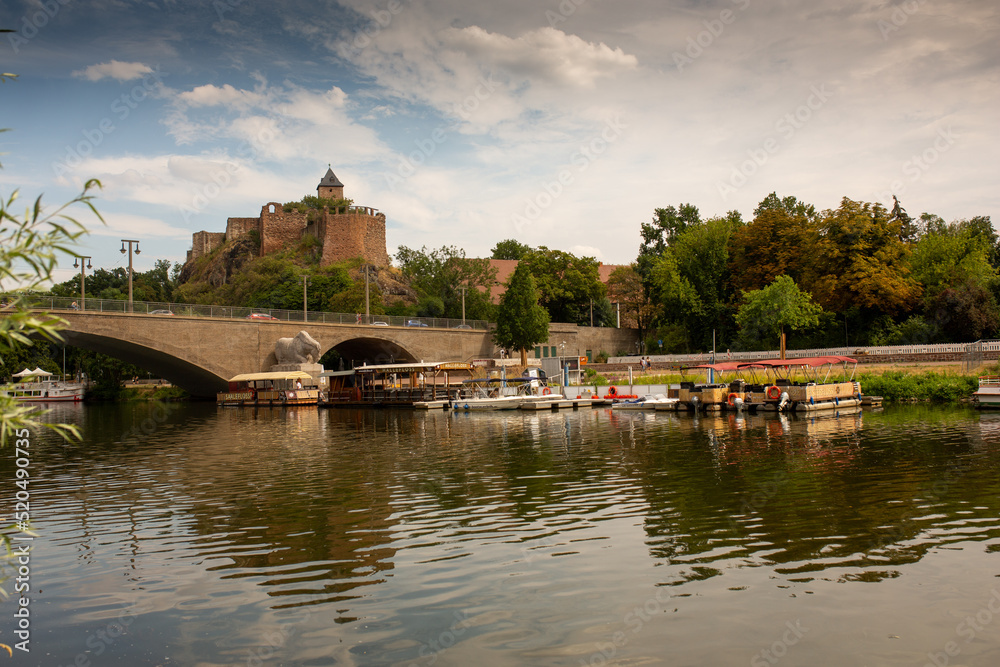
(191, 535)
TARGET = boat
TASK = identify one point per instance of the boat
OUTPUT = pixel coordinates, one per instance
(714, 395)
(488, 394)
(287, 388)
(648, 402)
(988, 394)
(37, 386)
(419, 385)
(798, 384)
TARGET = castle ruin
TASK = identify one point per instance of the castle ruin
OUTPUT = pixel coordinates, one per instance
(344, 233)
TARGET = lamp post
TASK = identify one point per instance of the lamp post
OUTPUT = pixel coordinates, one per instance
(367, 305)
(305, 292)
(463, 288)
(78, 262)
(130, 242)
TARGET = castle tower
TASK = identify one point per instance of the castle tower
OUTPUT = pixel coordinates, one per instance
(330, 187)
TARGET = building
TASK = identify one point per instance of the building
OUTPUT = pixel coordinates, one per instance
(344, 232)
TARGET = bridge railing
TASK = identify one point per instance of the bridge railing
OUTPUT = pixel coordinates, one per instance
(854, 352)
(57, 303)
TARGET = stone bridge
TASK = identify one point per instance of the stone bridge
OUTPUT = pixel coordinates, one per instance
(200, 354)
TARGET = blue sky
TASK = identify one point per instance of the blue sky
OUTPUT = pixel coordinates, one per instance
(561, 123)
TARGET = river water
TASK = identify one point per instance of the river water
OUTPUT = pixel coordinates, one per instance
(192, 535)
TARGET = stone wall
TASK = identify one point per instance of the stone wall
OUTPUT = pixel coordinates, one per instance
(356, 233)
(203, 243)
(237, 228)
(278, 229)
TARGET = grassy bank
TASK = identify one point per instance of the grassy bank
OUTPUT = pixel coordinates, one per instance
(896, 386)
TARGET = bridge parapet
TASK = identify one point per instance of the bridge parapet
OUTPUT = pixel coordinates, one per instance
(239, 313)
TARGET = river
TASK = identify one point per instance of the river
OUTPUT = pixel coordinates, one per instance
(185, 534)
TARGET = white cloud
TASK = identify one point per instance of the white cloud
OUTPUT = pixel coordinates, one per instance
(546, 55)
(114, 69)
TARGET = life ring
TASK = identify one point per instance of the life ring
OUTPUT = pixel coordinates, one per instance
(773, 392)
(546, 391)
(612, 392)
(731, 399)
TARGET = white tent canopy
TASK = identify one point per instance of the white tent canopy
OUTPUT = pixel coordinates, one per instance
(26, 373)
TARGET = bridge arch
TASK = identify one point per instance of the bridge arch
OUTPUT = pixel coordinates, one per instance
(195, 379)
(371, 349)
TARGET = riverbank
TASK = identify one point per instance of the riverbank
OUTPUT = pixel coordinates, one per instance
(939, 382)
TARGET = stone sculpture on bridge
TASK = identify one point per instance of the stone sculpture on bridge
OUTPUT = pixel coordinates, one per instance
(303, 349)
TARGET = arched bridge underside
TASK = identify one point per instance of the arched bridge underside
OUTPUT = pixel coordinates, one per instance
(201, 354)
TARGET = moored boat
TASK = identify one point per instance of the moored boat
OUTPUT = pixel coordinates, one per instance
(286, 388)
(988, 394)
(648, 402)
(37, 386)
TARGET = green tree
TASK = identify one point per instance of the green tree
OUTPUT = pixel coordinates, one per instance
(510, 249)
(566, 283)
(439, 276)
(767, 312)
(521, 321)
(702, 254)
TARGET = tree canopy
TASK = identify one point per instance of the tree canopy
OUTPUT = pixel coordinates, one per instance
(510, 249)
(521, 321)
(767, 312)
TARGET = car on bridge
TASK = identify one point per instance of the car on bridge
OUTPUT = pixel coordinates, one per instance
(462, 326)
(161, 312)
(261, 316)
(415, 323)
(380, 324)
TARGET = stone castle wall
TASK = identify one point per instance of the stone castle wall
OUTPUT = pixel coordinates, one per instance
(203, 243)
(278, 229)
(353, 234)
(237, 228)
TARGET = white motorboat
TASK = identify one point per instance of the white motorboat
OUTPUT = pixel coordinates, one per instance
(649, 402)
(487, 394)
(37, 386)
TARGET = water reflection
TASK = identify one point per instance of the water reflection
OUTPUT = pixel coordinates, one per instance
(386, 524)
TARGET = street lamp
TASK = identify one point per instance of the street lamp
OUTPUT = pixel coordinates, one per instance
(78, 262)
(305, 292)
(367, 305)
(463, 288)
(130, 242)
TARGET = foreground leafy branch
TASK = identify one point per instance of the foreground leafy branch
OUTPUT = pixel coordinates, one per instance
(30, 247)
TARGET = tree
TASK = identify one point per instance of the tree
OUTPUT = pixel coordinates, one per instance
(767, 312)
(860, 261)
(439, 276)
(521, 321)
(566, 284)
(778, 241)
(625, 288)
(510, 249)
(908, 229)
(702, 254)
(788, 205)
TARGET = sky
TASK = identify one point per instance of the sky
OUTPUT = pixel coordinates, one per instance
(467, 122)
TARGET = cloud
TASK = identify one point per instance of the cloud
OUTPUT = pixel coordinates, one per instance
(227, 96)
(114, 69)
(546, 55)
